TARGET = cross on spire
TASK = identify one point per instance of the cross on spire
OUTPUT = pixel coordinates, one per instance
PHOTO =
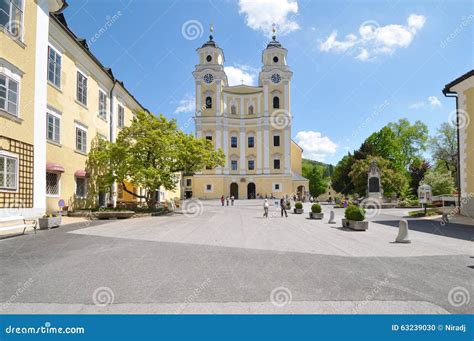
(211, 30)
(274, 31)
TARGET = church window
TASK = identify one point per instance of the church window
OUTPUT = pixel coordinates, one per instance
(276, 102)
(251, 110)
(208, 102)
(233, 141)
(233, 109)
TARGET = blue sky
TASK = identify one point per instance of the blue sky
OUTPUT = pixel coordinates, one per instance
(357, 64)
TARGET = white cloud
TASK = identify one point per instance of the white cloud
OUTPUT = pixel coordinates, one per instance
(315, 146)
(186, 105)
(373, 40)
(417, 105)
(261, 14)
(434, 101)
(238, 73)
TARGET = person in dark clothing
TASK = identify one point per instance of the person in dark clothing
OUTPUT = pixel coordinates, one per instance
(283, 207)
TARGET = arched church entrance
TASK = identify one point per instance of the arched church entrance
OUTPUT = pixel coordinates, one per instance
(251, 191)
(234, 190)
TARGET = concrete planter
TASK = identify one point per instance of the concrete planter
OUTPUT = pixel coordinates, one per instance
(355, 225)
(298, 211)
(49, 222)
(316, 215)
(114, 214)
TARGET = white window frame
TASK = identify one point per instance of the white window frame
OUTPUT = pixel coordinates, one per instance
(7, 155)
(208, 190)
(83, 88)
(248, 164)
(236, 165)
(120, 116)
(75, 187)
(8, 80)
(279, 160)
(57, 53)
(84, 129)
(58, 185)
(279, 189)
(103, 105)
(9, 26)
(57, 115)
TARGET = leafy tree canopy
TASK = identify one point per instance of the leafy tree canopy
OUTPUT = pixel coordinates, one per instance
(150, 153)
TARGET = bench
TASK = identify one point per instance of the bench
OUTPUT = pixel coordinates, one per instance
(16, 223)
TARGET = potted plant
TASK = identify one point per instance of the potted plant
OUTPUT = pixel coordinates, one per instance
(49, 221)
(298, 208)
(354, 218)
(288, 205)
(316, 212)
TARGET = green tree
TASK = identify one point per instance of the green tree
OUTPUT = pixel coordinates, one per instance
(393, 181)
(440, 180)
(417, 171)
(412, 139)
(340, 179)
(150, 153)
(444, 147)
(315, 173)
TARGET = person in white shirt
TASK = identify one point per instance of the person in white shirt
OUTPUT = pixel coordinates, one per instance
(265, 208)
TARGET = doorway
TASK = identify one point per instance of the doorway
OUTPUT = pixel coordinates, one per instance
(251, 191)
(234, 190)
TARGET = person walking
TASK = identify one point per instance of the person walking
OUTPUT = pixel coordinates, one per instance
(227, 201)
(232, 198)
(265, 208)
(222, 200)
(283, 207)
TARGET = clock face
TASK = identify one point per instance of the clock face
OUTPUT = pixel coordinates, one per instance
(208, 58)
(275, 59)
(276, 78)
(208, 78)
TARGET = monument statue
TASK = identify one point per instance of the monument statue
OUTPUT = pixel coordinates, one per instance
(374, 185)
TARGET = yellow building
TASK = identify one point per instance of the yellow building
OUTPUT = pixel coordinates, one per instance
(55, 99)
(463, 89)
(23, 68)
(85, 100)
(251, 124)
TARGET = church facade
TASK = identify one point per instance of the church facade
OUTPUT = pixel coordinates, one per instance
(251, 124)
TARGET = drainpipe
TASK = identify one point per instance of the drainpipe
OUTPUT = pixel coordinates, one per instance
(449, 93)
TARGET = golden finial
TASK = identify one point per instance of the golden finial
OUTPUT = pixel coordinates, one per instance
(274, 31)
(211, 28)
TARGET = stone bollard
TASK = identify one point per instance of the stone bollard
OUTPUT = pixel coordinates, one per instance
(331, 218)
(403, 232)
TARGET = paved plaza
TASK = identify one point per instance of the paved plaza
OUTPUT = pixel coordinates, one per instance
(213, 259)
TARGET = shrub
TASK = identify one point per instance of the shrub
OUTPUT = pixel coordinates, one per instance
(298, 205)
(316, 208)
(354, 213)
(288, 204)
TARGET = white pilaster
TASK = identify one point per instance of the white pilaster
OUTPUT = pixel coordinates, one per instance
(40, 104)
(226, 146)
(265, 99)
(198, 98)
(286, 151)
(259, 151)
(243, 166)
(218, 99)
(266, 148)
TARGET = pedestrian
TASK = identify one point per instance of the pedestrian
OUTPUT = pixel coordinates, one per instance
(227, 201)
(232, 198)
(265, 208)
(283, 207)
(222, 200)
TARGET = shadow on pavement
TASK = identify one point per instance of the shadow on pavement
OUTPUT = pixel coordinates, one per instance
(457, 231)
